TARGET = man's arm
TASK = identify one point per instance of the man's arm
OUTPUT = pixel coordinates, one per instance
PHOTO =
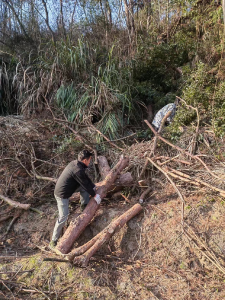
(85, 182)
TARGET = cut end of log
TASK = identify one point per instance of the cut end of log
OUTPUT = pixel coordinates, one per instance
(59, 252)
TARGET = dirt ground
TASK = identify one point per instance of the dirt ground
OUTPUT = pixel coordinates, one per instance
(151, 258)
(158, 255)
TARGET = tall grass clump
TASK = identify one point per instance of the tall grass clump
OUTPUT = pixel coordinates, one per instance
(103, 98)
(8, 91)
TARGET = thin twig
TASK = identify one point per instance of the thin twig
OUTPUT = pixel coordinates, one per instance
(108, 140)
(193, 149)
(16, 272)
(17, 215)
(197, 180)
(123, 138)
(175, 187)
(182, 150)
(7, 287)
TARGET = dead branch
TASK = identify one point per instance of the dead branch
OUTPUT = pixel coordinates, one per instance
(105, 137)
(13, 257)
(16, 216)
(194, 141)
(155, 142)
(124, 137)
(41, 177)
(193, 237)
(56, 259)
(15, 203)
(169, 159)
(182, 150)
(182, 176)
(144, 194)
(5, 218)
(17, 272)
(175, 187)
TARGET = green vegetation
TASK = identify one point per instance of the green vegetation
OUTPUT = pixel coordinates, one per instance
(96, 71)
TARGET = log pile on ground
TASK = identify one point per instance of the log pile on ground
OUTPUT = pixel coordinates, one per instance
(75, 229)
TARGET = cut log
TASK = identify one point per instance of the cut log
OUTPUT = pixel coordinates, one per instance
(103, 166)
(104, 169)
(89, 249)
(125, 179)
(80, 223)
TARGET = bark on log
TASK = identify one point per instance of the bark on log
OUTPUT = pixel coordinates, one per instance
(104, 169)
(103, 237)
(80, 223)
(103, 166)
(15, 203)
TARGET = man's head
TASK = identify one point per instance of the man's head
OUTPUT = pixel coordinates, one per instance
(85, 157)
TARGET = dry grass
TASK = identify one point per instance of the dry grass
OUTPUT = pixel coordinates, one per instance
(151, 258)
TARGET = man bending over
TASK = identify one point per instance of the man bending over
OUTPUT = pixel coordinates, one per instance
(73, 179)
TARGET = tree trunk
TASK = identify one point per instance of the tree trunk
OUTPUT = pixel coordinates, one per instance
(80, 223)
(124, 180)
(47, 22)
(86, 251)
(10, 4)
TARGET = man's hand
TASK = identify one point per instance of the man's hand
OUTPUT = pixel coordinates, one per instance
(97, 199)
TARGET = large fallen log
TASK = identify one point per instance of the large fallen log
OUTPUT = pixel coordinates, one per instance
(79, 224)
(86, 251)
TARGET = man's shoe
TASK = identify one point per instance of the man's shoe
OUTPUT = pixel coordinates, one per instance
(52, 244)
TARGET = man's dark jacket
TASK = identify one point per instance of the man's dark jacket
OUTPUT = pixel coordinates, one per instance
(72, 177)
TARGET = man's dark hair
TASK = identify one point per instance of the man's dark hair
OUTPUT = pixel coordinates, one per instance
(85, 154)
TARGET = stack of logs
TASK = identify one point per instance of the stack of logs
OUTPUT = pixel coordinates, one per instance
(112, 181)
